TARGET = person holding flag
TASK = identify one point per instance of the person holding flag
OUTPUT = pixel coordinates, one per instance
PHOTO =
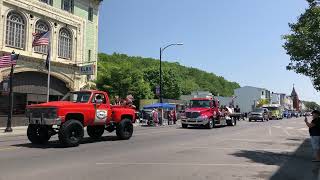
(43, 39)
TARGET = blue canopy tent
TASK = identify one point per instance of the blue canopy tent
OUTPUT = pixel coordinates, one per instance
(160, 105)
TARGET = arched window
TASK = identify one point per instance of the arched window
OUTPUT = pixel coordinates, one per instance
(15, 31)
(41, 27)
(65, 44)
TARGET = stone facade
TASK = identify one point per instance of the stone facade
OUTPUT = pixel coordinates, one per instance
(84, 37)
(82, 25)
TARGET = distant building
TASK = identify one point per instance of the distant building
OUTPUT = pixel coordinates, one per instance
(248, 97)
(302, 106)
(225, 101)
(295, 99)
(275, 98)
(196, 94)
(74, 42)
(288, 103)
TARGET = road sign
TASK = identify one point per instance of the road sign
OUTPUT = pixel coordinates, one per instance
(87, 69)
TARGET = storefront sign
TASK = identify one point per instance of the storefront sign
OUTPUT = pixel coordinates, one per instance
(87, 69)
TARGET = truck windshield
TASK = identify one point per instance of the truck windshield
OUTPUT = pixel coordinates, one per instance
(77, 97)
(258, 110)
(200, 103)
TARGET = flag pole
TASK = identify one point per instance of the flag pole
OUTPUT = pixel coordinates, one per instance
(49, 72)
(9, 128)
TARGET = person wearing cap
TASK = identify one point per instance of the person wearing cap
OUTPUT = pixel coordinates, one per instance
(314, 130)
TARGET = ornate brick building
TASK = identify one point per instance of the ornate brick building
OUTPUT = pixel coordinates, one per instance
(74, 42)
(295, 99)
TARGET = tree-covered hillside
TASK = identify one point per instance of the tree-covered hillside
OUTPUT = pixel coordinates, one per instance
(120, 74)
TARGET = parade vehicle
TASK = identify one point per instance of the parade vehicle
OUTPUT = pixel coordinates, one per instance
(205, 112)
(261, 114)
(275, 110)
(76, 110)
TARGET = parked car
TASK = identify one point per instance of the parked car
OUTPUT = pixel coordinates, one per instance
(261, 114)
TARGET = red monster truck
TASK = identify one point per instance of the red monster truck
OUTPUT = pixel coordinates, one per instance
(77, 110)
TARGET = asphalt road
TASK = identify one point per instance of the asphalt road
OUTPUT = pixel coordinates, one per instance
(251, 150)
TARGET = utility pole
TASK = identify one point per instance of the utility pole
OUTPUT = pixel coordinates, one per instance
(161, 85)
(161, 100)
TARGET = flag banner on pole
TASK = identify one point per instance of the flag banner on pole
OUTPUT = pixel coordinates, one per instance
(48, 59)
(41, 39)
(8, 60)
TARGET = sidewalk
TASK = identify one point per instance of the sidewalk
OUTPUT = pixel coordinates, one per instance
(16, 131)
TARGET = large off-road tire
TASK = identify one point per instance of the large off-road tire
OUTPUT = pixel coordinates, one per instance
(185, 126)
(210, 124)
(71, 132)
(124, 129)
(232, 122)
(95, 132)
(38, 134)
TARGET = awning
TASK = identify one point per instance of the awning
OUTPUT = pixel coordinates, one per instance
(160, 105)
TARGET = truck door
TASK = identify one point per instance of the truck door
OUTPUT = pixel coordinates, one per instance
(101, 108)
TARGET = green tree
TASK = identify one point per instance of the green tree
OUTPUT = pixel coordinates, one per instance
(311, 105)
(303, 44)
(262, 102)
(124, 81)
(171, 86)
(117, 71)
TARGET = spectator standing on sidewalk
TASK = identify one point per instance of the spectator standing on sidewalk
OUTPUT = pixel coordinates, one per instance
(314, 130)
(160, 116)
(155, 117)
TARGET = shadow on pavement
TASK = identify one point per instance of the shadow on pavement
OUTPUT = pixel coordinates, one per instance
(293, 166)
(56, 143)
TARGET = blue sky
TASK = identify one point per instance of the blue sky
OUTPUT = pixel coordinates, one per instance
(239, 40)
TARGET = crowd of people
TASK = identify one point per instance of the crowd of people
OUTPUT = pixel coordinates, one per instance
(158, 119)
(128, 101)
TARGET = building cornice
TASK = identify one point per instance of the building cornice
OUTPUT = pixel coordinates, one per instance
(49, 11)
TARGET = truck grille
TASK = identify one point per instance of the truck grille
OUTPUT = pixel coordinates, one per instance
(42, 112)
(192, 114)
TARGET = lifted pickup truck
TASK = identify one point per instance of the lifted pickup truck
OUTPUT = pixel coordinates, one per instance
(205, 112)
(77, 110)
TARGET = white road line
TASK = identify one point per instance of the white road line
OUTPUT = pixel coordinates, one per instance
(277, 127)
(250, 140)
(303, 133)
(156, 132)
(270, 133)
(285, 131)
(284, 150)
(303, 129)
(289, 127)
(9, 148)
(186, 164)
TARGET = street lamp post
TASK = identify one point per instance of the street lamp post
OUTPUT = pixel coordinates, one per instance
(161, 52)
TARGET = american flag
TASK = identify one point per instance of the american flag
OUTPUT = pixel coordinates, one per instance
(41, 39)
(8, 60)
